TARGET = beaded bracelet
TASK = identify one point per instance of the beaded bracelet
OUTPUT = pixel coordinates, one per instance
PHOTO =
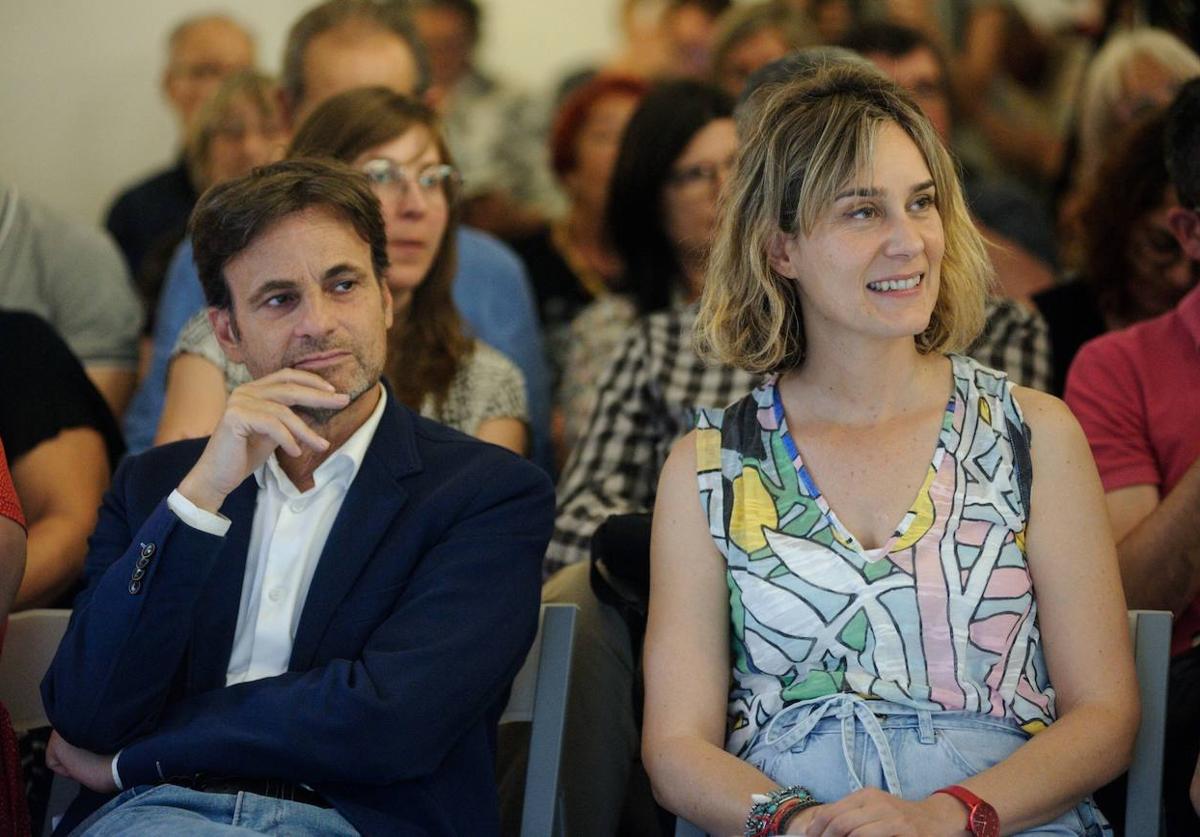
(773, 811)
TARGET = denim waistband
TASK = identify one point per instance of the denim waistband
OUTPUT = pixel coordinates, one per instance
(848, 708)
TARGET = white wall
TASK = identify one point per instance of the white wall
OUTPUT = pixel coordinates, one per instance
(81, 115)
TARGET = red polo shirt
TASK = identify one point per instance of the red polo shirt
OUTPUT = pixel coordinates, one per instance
(1137, 394)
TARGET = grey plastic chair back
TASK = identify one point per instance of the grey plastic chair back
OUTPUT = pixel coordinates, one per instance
(539, 696)
(29, 646)
(1150, 632)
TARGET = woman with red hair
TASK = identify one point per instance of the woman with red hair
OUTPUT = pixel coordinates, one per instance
(569, 261)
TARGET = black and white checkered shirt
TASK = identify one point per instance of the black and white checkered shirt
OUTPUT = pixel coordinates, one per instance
(1015, 340)
(649, 395)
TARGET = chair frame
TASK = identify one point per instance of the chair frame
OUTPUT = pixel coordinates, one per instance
(1150, 633)
(539, 695)
(30, 644)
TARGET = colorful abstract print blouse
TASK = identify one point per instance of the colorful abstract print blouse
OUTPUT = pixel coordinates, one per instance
(943, 617)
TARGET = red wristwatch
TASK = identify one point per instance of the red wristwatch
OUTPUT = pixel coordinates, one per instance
(982, 820)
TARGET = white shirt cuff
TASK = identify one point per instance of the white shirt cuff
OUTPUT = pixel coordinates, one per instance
(116, 773)
(196, 517)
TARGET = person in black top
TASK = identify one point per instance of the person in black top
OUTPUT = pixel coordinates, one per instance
(62, 445)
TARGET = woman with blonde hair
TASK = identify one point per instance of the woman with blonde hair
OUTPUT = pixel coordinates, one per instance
(844, 635)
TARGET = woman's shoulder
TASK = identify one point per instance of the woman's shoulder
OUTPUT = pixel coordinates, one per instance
(487, 361)
(196, 332)
(726, 434)
(1047, 416)
(749, 406)
(487, 385)
(1031, 405)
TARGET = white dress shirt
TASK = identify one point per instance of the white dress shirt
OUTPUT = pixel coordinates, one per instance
(286, 539)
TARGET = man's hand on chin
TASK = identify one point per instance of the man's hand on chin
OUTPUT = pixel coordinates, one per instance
(89, 769)
(258, 419)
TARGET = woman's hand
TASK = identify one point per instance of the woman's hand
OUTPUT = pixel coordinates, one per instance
(875, 813)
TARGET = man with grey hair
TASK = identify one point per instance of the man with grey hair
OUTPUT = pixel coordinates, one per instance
(201, 52)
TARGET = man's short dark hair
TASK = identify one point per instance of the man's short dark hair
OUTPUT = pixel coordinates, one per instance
(1183, 144)
(469, 9)
(388, 16)
(230, 216)
(894, 41)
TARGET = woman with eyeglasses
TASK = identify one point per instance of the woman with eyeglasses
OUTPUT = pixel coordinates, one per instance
(675, 155)
(433, 366)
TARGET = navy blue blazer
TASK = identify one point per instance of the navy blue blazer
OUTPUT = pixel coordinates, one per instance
(421, 610)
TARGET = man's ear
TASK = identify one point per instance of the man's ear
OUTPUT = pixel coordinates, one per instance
(167, 86)
(1185, 224)
(779, 255)
(226, 331)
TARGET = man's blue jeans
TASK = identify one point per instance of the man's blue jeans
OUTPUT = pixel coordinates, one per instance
(172, 810)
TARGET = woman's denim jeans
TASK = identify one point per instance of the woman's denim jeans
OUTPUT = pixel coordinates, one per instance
(841, 743)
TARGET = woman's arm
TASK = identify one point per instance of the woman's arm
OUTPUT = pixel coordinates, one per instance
(60, 483)
(195, 399)
(1084, 626)
(506, 432)
(687, 662)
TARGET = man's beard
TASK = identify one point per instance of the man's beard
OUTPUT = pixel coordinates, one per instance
(321, 416)
(363, 379)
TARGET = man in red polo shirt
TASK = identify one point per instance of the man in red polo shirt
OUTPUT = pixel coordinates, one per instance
(1137, 394)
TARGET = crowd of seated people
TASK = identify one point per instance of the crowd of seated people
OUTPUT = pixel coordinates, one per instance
(396, 351)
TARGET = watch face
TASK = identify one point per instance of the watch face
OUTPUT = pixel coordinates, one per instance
(983, 821)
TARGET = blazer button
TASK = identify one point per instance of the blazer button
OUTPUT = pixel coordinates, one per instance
(147, 550)
(138, 574)
(135, 587)
(142, 563)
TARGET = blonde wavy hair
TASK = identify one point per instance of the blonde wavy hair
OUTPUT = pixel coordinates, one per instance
(807, 139)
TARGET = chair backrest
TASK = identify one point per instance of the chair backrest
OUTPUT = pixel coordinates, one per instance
(1150, 631)
(539, 695)
(29, 646)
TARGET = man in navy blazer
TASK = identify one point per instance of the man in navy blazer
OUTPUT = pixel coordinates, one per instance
(307, 623)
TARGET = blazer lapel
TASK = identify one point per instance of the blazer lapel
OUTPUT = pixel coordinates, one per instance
(372, 502)
(217, 611)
